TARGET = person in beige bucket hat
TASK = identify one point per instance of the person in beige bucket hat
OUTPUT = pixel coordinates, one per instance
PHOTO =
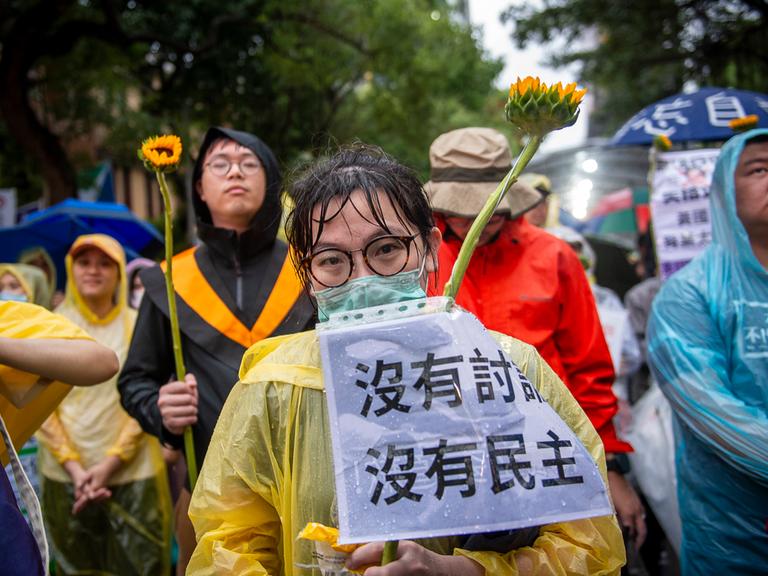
(524, 282)
(466, 165)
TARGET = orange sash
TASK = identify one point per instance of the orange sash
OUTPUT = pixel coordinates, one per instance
(197, 293)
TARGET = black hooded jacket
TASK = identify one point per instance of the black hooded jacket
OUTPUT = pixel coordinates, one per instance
(241, 270)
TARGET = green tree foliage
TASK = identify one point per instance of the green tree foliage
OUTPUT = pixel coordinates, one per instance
(302, 75)
(634, 53)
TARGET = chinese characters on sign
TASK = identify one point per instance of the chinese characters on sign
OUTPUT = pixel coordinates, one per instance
(680, 206)
(753, 328)
(441, 383)
(436, 431)
(664, 119)
(458, 470)
(703, 115)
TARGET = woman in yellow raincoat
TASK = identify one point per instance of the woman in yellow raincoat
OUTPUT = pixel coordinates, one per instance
(38, 257)
(104, 491)
(23, 283)
(37, 350)
(360, 218)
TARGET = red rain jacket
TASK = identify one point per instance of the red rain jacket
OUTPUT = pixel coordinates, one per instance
(531, 285)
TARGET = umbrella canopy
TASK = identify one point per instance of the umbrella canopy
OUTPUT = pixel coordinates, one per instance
(57, 227)
(699, 116)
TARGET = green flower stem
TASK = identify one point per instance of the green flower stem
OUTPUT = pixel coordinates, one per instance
(468, 248)
(470, 242)
(390, 552)
(189, 443)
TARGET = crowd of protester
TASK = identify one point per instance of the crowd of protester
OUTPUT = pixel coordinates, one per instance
(103, 485)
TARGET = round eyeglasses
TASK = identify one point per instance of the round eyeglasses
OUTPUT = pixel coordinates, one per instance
(385, 255)
(221, 166)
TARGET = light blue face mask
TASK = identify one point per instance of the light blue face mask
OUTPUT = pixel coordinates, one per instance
(370, 291)
(10, 296)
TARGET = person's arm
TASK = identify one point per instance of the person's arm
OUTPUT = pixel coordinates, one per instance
(117, 455)
(148, 366)
(690, 359)
(237, 525)
(584, 353)
(73, 361)
(54, 437)
(128, 440)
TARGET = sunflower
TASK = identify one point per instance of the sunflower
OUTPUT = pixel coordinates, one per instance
(662, 142)
(744, 123)
(537, 108)
(161, 153)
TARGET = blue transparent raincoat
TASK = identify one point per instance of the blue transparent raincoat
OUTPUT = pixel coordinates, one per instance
(708, 346)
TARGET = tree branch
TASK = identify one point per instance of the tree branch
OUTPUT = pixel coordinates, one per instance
(325, 29)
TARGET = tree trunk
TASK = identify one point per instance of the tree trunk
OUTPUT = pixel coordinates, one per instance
(25, 127)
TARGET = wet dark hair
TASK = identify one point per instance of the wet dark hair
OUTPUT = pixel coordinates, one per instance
(358, 167)
(758, 139)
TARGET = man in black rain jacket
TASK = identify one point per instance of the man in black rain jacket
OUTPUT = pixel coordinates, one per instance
(234, 289)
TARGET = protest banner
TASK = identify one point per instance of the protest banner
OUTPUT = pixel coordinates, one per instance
(437, 432)
(680, 206)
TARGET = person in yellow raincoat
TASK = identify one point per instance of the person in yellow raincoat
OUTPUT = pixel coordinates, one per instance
(23, 283)
(38, 350)
(38, 257)
(359, 219)
(105, 495)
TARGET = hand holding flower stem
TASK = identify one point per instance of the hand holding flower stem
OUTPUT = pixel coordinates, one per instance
(161, 154)
(390, 552)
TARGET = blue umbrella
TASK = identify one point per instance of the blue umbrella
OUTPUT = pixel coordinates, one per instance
(699, 116)
(57, 227)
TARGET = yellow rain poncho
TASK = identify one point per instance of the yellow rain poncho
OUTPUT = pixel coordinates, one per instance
(39, 258)
(130, 532)
(32, 280)
(269, 472)
(25, 400)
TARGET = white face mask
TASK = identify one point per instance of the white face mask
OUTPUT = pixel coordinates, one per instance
(371, 290)
(136, 297)
(13, 297)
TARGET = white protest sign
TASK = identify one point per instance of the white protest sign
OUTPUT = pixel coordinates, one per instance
(7, 207)
(436, 432)
(680, 206)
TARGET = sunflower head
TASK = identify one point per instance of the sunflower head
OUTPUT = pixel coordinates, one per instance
(662, 143)
(537, 108)
(744, 123)
(161, 153)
